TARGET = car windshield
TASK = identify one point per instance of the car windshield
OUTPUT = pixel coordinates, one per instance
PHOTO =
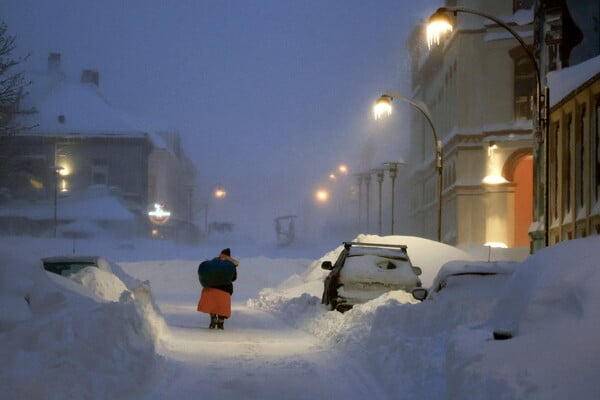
(67, 268)
(389, 253)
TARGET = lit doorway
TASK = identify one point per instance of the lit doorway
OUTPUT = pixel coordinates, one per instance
(523, 181)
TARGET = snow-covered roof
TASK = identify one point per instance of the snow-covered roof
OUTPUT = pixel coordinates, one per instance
(564, 81)
(65, 106)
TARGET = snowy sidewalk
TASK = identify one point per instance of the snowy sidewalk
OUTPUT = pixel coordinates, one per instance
(257, 356)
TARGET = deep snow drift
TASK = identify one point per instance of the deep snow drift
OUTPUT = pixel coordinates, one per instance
(101, 338)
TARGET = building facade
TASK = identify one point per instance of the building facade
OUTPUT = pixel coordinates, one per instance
(478, 85)
(172, 182)
(568, 46)
(78, 146)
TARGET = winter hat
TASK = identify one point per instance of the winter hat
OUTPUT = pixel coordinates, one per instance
(226, 251)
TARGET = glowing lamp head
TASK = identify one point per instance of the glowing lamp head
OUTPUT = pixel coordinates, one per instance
(322, 195)
(383, 106)
(438, 25)
(343, 169)
(220, 193)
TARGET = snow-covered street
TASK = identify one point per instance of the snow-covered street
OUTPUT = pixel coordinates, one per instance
(257, 356)
(89, 337)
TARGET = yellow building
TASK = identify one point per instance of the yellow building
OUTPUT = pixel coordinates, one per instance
(574, 152)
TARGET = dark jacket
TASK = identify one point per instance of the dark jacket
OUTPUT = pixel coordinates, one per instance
(217, 273)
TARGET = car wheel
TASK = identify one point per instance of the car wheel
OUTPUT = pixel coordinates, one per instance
(333, 305)
(343, 307)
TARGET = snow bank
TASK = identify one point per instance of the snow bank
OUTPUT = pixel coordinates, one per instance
(551, 307)
(443, 348)
(298, 299)
(73, 340)
(89, 340)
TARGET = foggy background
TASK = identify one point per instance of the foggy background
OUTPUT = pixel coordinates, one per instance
(269, 96)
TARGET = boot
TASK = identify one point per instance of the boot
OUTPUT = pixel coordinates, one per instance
(213, 321)
(220, 321)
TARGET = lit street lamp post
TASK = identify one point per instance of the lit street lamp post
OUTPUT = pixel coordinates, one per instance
(359, 180)
(219, 193)
(392, 167)
(379, 176)
(367, 179)
(384, 106)
(440, 23)
(56, 169)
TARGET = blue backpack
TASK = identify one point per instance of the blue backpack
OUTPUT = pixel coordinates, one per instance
(216, 272)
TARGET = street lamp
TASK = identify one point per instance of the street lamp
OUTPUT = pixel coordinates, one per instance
(359, 180)
(392, 167)
(440, 23)
(383, 106)
(379, 176)
(56, 169)
(367, 179)
(218, 193)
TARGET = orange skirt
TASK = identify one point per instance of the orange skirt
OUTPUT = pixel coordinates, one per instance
(215, 301)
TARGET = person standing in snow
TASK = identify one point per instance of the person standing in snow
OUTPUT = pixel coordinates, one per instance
(217, 277)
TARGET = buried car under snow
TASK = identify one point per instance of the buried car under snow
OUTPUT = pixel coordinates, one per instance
(468, 277)
(364, 271)
(104, 278)
(69, 265)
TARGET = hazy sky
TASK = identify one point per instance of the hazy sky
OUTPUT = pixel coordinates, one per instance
(268, 95)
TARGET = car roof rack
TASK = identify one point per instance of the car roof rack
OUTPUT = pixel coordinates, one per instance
(347, 245)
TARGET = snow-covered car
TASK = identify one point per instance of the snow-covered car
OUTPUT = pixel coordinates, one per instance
(470, 275)
(364, 271)
(71, 264)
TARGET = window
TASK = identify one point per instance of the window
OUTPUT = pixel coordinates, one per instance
(99, 172)
(566, 166)
(554, 168)
(524, 87)
(522, 5)
(596, 147)
(580, 158)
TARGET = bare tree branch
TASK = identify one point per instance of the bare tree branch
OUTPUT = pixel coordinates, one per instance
(12, 83)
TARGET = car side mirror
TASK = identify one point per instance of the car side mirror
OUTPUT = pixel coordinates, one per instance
(327, 265)
(502, 335)
(419, 293)
(417, 270)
